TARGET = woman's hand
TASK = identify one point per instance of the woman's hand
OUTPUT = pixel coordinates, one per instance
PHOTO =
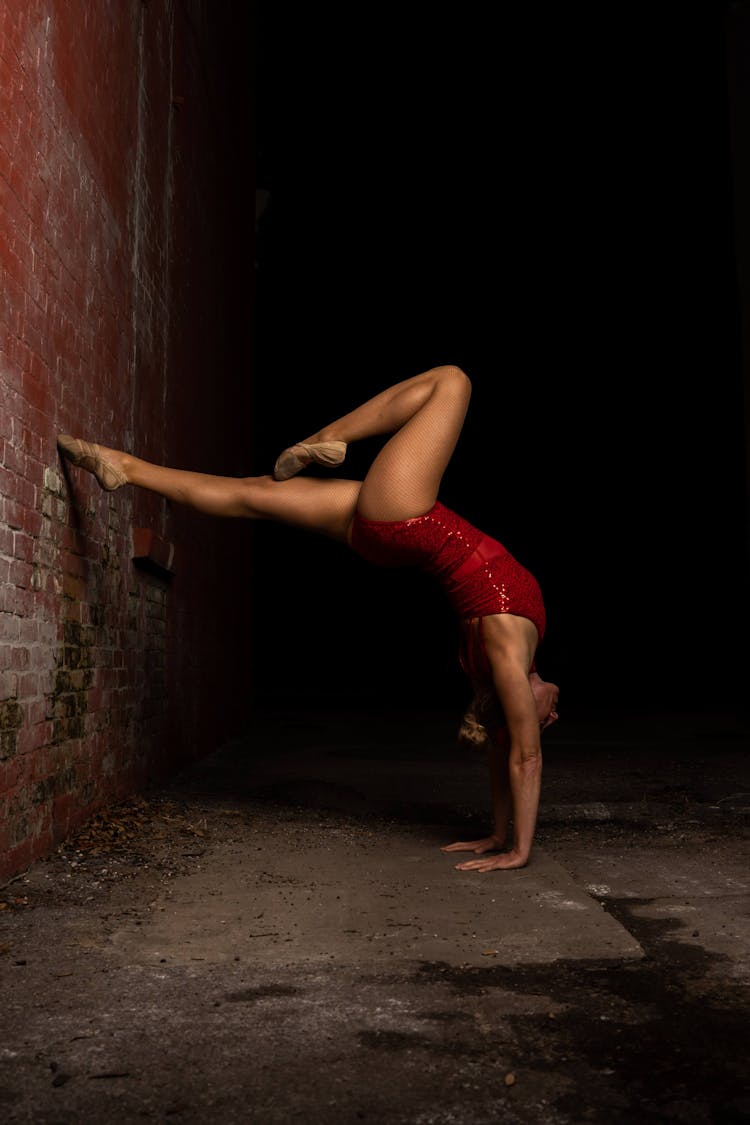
(505, 862)
(479, 847)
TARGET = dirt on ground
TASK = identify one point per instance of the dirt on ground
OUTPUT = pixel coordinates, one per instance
(90, 1030)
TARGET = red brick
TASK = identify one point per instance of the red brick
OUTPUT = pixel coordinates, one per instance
(22, 547)
(19, 654)
(67, 336)
(28, 636)
(10, 627)
(19, 574)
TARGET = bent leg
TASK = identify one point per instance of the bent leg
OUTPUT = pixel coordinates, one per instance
(425, 415)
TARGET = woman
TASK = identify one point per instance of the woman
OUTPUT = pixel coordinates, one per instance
(394, 518)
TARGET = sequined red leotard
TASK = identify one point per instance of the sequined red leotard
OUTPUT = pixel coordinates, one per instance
(479, 575)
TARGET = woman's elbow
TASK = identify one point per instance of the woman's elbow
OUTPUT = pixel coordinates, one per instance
(526, 759)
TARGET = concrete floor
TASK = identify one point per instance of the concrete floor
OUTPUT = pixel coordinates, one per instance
(275, 936)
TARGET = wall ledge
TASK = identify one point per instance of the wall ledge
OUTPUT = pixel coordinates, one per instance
(152, 553)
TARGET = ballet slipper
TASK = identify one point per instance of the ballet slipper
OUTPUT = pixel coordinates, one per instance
(296, 457)
(87, 455)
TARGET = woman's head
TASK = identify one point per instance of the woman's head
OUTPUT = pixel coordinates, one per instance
(546, 695)
(484, 720)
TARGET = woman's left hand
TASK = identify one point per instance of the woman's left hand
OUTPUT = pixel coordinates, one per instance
(506, 861)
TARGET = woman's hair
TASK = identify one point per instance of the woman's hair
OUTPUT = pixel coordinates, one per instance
(483, 712)
(484, 717)
(471, 734)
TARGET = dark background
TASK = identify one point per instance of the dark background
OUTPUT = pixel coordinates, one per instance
(542, 194)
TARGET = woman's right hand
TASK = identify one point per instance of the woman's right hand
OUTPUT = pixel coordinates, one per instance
(479, 847)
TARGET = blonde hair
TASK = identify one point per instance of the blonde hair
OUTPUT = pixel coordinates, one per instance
(484, 711)
(471, 734)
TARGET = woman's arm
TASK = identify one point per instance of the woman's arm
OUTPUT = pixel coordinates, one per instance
(508, 652)
(497, 760)
(524, 783)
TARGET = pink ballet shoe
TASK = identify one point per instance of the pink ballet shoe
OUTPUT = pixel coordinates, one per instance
(87, 455)
(296, 457)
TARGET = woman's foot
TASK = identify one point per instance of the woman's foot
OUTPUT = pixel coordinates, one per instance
(296, 457)
(107, 465)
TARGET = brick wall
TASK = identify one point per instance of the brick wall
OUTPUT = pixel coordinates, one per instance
(126, 300)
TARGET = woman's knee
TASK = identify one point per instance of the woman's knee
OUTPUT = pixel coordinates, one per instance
(454, 377)
(255, 495)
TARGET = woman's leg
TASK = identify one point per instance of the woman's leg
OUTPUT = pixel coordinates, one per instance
(325, 506)
(425, 415)
(426, 412)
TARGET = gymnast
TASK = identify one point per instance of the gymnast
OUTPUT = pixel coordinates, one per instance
(394, 518)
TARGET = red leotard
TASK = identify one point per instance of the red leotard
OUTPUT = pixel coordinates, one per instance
(478, 574)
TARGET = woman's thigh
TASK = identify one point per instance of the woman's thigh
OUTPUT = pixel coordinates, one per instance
(325, 506)
(404, 479)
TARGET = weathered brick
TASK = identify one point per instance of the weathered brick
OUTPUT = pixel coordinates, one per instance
(19, 573)
(23, 546)
(97, 658)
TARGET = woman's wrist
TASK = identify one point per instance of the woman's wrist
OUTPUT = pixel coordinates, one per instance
(522, 853)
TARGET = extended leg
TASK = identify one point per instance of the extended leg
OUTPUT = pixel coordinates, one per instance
(326, 506)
